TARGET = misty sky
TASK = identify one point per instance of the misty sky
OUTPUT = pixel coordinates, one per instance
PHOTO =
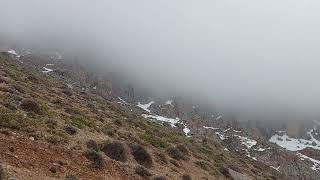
(249, 55)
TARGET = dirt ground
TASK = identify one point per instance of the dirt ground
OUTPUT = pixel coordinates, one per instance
(25, 158)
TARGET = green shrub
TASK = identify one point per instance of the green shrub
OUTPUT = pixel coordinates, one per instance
(74, 111)
(153, 140)
(80, 122)
(108, 130)
(32, 106)
(204, 165)
(14, 120)
(54, 139)
(71, 177)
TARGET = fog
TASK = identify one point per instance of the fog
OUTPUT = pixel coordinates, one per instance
(253, 57)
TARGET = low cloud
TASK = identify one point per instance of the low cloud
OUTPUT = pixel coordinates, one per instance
(258, 58)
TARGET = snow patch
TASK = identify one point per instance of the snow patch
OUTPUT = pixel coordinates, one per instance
(293, 144)
(227, 130)
(163, 119)
(186, 130)
(249, 143)
(237, 131)
(276, 168)
(122, 101)
(212, 128)
(171, 121)
(169, 102)
(145, 106)
(47, 70)
(261, 149)
(316, 163)
(221, 136)
(13, 52)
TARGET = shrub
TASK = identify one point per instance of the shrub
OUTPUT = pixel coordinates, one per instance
(74, 111)
(175, 153)
(186, 177)
(51, 123)
(159, 178)
(19, 88)
(2, 173)
(67, 92)
(91, 144)
(115, 150)
(71, 177)
(108, 131)
(141, 156)
(203, 165)
(80, 122)
(70, 129)
(95, 158)
(140, 170)
(183, 150)
(9, 105)
(13, 120)
(30, 106)
(223, 170)
(118, 122)
(162, 157)
(54, 139)
(235, 168)
(154, 141)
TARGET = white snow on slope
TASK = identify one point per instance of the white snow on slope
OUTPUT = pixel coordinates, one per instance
(293, 144)
(246, 141)
(169, 102)
(236, 131)
(13, 52)
(163, 119)
(219, 117)
(212, 128)
(316, 163)
(221, 136)
(276, 168)
(171, 121)
(49, 64)
(46, 70)
(122, 101)
(145, 106)
(249, 143)
(261, 149)
(186, 130)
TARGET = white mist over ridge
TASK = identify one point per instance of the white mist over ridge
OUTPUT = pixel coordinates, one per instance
(257, 58)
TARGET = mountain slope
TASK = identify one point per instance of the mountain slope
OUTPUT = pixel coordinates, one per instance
(60, 121)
